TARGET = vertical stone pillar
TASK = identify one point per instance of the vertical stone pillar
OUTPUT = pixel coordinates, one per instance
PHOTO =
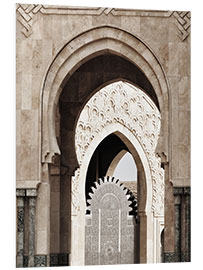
(177, 213)
(187, 224)
(31, 194)
(169, 238)
(143, 237)
(65, 219)
(182, 223)
(20, 193)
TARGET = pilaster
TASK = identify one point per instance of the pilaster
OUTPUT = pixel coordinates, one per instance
(20, 193)
(31, 194)
(181, 225)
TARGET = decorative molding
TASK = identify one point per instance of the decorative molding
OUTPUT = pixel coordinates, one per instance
(141, 13)
(25, 16)
(27, 184)
(26, 13)
(183, 20)
(120, 102)
(74, 192)
(96, 11)
(65, 10)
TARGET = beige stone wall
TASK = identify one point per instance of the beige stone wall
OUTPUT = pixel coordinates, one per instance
(52, 27)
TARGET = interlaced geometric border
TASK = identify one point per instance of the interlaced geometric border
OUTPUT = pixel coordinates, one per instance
(27, 11)
(25, 16)
(183, 19)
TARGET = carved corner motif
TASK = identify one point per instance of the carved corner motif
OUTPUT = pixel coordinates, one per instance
(183, 20)
(25, 16)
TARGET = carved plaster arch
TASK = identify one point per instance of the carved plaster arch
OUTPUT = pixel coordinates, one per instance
(84, 47)
(129, 106)
(126, 111)
(79, 201)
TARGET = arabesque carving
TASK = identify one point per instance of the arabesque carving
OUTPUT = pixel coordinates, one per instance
(74, 192)
(120, 102)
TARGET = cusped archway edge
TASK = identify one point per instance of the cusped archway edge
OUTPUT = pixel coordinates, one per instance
(127, 105)
(84, 47)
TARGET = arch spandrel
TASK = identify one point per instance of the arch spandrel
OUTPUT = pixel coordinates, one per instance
(79, 50)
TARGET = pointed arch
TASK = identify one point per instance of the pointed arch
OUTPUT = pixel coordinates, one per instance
(84, 47)
(127, 112)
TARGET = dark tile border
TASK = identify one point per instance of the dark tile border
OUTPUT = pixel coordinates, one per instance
(25, 261)
(54, 259)
(171, 257)
(63, 259)
(40, 260)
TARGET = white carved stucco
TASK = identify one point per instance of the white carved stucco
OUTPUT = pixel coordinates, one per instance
(121, 102)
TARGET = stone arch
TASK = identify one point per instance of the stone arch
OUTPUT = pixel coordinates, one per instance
(82, 48)
(78, 194)
(115, 162)
(122, 103)
(126, 111)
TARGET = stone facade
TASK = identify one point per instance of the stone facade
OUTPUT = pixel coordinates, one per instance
(65, 56)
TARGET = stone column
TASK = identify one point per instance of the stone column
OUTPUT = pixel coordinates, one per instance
(20, 193)
(31, 194)
(182, 223)
(177, 213)
(187, 224)
(169, 239)
(143, 237)
(65, 219)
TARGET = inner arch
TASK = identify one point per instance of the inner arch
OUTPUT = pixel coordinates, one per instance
(126, 169)
(100, 161)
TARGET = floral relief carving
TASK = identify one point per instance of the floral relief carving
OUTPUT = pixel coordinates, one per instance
(120, 102)
(74, 192)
